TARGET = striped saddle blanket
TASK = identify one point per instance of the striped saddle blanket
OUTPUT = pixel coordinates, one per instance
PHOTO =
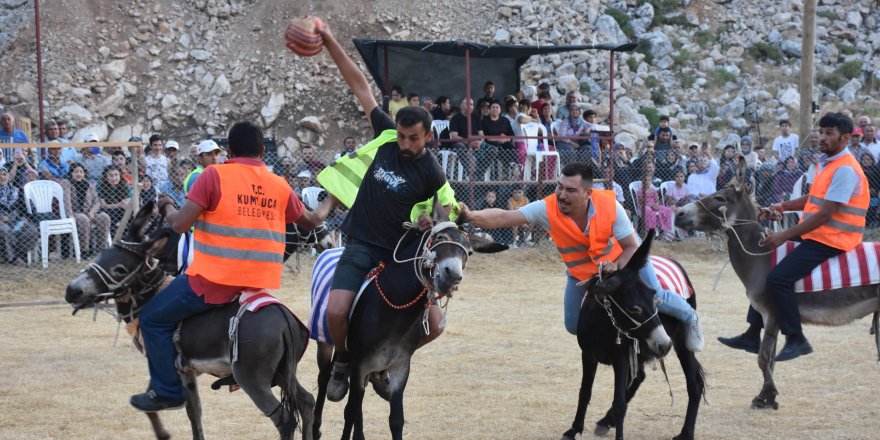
(671, 276)
(858, 267)
(322, 276)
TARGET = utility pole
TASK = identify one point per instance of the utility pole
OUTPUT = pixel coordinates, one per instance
(808, 44)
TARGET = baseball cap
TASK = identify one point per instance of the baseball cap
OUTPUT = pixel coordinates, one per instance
(207, 146)
(171, 144)
(90, 137)
(857, 131)
(618, 146)
(135, 139)
(305, 173)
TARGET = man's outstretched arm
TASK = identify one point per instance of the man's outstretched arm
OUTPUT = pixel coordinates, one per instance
(353, 76)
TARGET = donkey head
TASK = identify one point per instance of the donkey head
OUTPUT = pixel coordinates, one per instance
(121, 267)
(450, 246)
(299, 238)
(724, 207)
(630, 302)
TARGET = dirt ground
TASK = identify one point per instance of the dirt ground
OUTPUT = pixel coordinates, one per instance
(504, 369)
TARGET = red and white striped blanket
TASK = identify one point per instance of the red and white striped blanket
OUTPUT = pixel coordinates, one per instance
(671, 276)
(256, 299)
(858, 267)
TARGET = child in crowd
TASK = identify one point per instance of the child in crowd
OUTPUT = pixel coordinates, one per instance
(516, 201)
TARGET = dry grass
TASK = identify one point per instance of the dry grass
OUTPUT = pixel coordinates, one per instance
(504, 369)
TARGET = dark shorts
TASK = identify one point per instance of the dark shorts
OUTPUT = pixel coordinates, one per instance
(356, 261)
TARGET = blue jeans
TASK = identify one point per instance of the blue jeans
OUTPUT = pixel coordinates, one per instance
(668, 302)
(159, 319)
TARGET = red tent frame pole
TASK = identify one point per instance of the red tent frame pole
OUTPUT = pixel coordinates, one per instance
(387, 91)
(611, 96)
(467, 94)
(39, 68)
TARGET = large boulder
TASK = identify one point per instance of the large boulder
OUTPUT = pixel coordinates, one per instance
(732, 109)
(75, 112)
(790, 98)
(272, 109)
(608, 31)
(660, 44)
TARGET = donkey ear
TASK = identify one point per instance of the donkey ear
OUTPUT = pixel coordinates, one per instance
(135, 231)
(484, 245)
(742, 179)
(604, 287)
(639, 258)
(155, 245)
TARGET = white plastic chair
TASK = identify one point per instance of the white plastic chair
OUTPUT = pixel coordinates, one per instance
(438, 126)
(536, 155)
(663, 188)
(554, 131)
(311, 195)
(38, 196)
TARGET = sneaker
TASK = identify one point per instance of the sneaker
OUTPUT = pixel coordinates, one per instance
(795, 346)
(744, 341)
(694, 339)
(151, 402)
(337, 388)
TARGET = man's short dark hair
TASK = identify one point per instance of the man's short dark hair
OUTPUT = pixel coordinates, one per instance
(589, 113)
(488, 83)
(784, 121)
(544, 86)
(412, 95)
(411, 115)
(664, 130)
(582, 169)
(155, 138)
(397, 89)
(544, 94)
(759, 147)
(118, 153)
(664, 118)
(441, 100)
(245, 140)
(842, 122)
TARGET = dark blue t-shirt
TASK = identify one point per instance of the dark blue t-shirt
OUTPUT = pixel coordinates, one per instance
(390, 189)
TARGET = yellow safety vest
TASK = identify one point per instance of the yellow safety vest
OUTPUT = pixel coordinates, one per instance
(343, 177)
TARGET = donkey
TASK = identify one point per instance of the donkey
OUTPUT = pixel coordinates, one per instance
(129, 273)
(732, 210)
(619, 326)
(390, 317)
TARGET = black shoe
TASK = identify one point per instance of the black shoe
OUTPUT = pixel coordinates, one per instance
(742, 342)
(795, 346)
(150, 402)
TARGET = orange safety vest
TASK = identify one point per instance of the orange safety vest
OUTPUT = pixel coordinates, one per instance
(844, 230)
(582, 253)
(241, 243)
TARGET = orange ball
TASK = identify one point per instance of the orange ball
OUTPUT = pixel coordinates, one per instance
(302, 38)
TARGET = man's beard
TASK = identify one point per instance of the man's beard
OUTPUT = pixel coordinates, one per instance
(406, 155)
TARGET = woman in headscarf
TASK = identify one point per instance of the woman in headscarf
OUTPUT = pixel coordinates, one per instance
(113, 195)
(81, 203)
(17, 231)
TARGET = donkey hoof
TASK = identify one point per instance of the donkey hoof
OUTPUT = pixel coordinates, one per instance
(764, 403)
(601, 430)
(569, 435)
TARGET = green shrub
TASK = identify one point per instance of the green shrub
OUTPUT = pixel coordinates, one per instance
(651, 82)
(622, 19)
(682, 57)
(674, 20)
(644, 48)
(765, 51)
(830, 80)
(722, 77)
(687, 80)
(704, 38)
(660, 95)
(829, 15)
(849, 69)
(633, 64)
(846, 49)
(652, 114)
(717, 124)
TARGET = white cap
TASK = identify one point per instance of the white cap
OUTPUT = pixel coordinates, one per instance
(305, 173)
(90, 137)
(172, 144)
(208, 146)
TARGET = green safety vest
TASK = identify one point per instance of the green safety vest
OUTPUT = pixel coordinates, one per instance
(199, 170)
(343, 177)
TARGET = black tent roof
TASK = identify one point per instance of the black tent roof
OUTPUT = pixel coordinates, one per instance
(434, 68)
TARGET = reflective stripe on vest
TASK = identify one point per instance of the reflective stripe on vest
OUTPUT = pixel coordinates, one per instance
(241, 242)
(845, 228)
(343, 178)
(582, 254)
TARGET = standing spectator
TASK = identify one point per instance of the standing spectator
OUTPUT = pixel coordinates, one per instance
(157, 162)
(488, 94)
(590, 119)
(668, 163)
(864, 121)
(52, 167)
(413, 100)
(82, 203)
(855, 142)
(92, 160)
(870, 142)
(307, 155)
(17, 232)
(609, 183)
(428, 104)
(171, 149)
(174, 186)
(664, 123)
(517, 119)
(53, 134)
(764, 184)
(113, 196)
(10, 135)
(572, 150)
(148, 191)
(763, 157)
(745, 148)
(458, 130)
(121, 162)
(348, 146)
(206, 155)
(814, 140)
(543, 97)
(703, 181)
(397, 102)
(786, 144)
(484, 110)
(664, 139)
(872, 173)
(495, 125)
(300, 181)
(440, 112)
(284, 167)
(63, 129)
(784, 181)
(726, 166)
(657, 216)
(517, 200)
(571, 98)
(547, 118)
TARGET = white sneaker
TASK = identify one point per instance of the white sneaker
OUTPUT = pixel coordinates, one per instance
(694, 339)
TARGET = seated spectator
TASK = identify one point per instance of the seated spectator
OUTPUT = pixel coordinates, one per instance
(148, 191)
(53, 134)
(458, 131)
(520, 233)
(870, 142)
(174, 187)
(484, 110)
(92, 160)
(121, 162)
(590, 119)
(678, 194)
(156, 162)
(284, 167)
(572, 150)
(726, 166)
(667, 163)
(784, 180)
(656, 215)
(704, 179)
(17, 168)
(572, 97)
(64, 130)
(397, 102)
(30, 175)
(413, 100)
(872, 173)
(547, 118)
(52, 167)
(763, 157)
(440, 112)
(10, 135)
(17, 232)
(488, 95)
(307, 155)
(543, 97)
(427, 104)
(517, 119)
(113, 196)
(495, 125)
(490, 200)
(604, 184)
(299, 181)
(82, 203)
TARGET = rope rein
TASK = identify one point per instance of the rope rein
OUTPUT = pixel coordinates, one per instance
(731, 226)
(120, 289)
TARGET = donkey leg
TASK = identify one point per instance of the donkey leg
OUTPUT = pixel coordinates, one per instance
(354, 411)
(587, 377)
(606, 423)
(305, 403)
(325, 356)
(875, 330)
(399, 377)
(618, 406)
(158, 428)
(766, 361)
(193, 404)
(696, 386)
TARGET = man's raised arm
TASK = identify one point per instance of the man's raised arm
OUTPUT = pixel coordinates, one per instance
(353, 76)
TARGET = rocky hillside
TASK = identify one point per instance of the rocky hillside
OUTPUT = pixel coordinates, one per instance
(188, 68)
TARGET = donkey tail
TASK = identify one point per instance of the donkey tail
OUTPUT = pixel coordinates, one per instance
(288, 383)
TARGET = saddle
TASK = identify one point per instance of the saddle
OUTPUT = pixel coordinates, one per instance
(858, 267)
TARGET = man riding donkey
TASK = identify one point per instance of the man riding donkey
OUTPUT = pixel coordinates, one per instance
(833, 222)
(239, 210)
(590, 230)
(385, 183)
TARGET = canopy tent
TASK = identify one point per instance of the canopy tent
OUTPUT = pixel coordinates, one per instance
(434, 68)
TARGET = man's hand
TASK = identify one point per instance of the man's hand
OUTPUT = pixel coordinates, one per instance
(165, 201)
(4, 218)
(608, 268)
(770, 213)
(463, 211)
(773, 240)
(425, 223)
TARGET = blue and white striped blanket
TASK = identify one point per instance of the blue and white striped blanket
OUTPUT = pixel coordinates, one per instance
(322, 276)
